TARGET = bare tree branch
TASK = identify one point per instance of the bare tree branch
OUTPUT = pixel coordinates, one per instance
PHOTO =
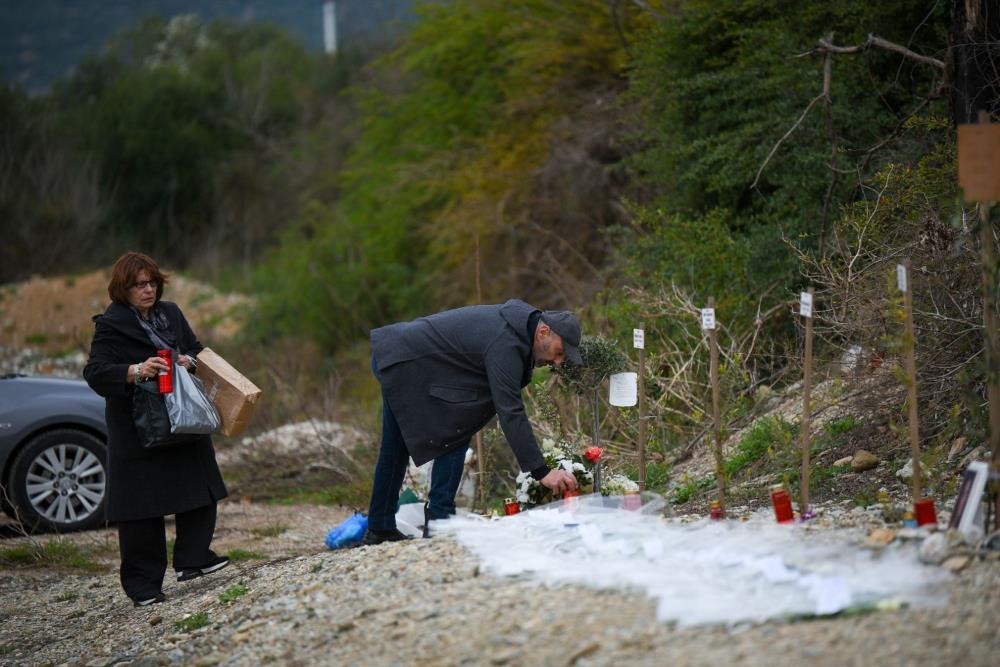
(642, 4)
(787, 134)
(826, 46)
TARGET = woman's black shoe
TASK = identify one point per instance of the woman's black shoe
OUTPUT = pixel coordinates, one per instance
(159, 597)
(373, 537)
(216, 565)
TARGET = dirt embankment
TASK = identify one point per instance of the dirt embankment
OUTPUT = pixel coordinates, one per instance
(53, 315)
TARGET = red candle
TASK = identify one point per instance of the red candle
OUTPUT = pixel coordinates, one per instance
(782, 503)
(925, 511)
(717, 513)
(633, 500)
(167, 376)
(511, 506)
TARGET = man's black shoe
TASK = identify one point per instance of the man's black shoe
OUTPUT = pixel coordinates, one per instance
(373, 537)
(193, 573)
(159, 597)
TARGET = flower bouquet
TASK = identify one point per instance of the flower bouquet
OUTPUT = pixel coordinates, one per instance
(561, 455)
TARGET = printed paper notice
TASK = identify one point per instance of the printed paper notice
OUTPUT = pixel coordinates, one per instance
(624, 390)
(707, 319)
(901, 277)
(638, 339)
(806, 305)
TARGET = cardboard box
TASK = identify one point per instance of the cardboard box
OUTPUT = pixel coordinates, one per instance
(234, 396)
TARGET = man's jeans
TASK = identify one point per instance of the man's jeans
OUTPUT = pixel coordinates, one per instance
(390, 470)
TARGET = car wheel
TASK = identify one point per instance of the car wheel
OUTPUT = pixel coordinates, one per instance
(59, 481)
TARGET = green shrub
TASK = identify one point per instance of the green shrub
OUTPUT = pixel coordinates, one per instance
(233, 593)
(59, 553)
(192, 622)
(237, 555)
(269, 531)
(767, 435)
(691, 488)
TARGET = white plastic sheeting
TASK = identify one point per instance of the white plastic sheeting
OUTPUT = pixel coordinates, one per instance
(699, 573)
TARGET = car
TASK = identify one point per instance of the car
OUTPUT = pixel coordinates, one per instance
(53, 453)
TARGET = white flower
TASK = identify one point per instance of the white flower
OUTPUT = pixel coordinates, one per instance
(618, 485)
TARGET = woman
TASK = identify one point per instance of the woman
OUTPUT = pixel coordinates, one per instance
(144, 485)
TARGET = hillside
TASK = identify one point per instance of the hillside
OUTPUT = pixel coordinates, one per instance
(47, 321)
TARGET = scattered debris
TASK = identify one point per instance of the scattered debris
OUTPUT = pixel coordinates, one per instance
(934, 549)
(863, 460)
(955, 563)
(880, 537)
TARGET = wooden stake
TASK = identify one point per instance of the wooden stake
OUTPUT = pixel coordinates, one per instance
(481, 480)
(979, 177)
(805, 434)
(720, 469)
(988, 252)
(911, 373)
(642, 411)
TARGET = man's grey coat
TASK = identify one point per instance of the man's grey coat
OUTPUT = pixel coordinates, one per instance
(446, 375)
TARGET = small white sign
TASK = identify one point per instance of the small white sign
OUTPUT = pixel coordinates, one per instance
(639, 339)
(901, 277)
(806, 305)
(624, 390)
(707, 319)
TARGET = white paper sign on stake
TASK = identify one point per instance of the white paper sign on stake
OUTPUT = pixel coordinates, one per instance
(707, 318)
(901, 277)
(624, 390)
(806, 305)
(638, 339)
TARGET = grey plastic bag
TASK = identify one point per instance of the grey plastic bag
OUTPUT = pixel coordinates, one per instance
(188, 406)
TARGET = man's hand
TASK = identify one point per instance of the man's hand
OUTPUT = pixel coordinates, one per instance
(560, 481)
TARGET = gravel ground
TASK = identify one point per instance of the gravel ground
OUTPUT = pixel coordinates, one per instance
(425, 602)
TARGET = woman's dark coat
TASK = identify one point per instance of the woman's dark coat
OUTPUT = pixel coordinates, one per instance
(145, 483)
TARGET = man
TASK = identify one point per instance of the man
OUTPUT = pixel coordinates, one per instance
(443, 378)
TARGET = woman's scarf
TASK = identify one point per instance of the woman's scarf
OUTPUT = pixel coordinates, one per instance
(158, 320)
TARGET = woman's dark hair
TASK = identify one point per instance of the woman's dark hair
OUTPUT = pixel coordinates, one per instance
(126, 270)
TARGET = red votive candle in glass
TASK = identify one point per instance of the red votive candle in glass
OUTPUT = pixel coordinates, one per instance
(924, 509)
(167, 376)
(511, 506)
(633, 500)
(782, 503)
(717, 513)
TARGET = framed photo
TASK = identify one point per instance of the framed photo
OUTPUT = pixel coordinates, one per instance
(967, 517)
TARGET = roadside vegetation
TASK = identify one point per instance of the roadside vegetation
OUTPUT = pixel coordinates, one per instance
(51, 553)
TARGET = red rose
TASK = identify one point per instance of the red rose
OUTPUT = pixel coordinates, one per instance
(594, 454)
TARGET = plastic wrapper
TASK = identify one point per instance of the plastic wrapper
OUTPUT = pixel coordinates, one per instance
(706, 572)
(349, 533)
(188, 406)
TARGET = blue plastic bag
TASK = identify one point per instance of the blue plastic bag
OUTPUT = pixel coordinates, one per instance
(349, 533)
